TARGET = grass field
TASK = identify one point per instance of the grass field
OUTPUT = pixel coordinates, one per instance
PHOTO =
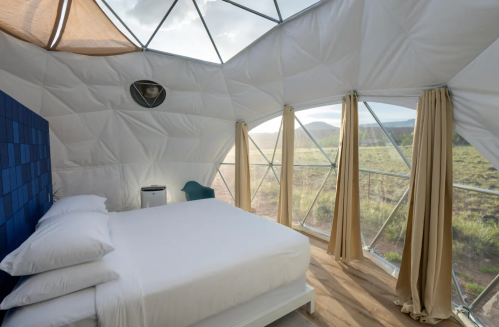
(475, 215)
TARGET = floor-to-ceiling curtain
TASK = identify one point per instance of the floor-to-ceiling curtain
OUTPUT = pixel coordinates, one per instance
(345, 242)
(424, 286)
(243, 195)
(285, 212)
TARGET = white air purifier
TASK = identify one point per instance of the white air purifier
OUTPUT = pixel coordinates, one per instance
(152, 196)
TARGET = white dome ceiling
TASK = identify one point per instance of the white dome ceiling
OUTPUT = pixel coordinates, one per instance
(387, 50)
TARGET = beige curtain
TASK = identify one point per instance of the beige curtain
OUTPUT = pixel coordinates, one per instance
(425, 281)
(243, 195)
(345, 242)
(285, 212)
(89, 31)
(31, 21)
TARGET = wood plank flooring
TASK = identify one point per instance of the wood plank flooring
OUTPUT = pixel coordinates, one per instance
(361, 294)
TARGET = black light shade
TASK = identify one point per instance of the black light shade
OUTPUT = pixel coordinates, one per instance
(147, 94)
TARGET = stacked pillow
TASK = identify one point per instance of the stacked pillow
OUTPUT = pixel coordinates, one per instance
(64, 254)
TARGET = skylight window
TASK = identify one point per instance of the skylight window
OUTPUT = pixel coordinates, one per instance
(141, 16)
(208, 30)
(290, 8)
(233, 35)
(183, 33)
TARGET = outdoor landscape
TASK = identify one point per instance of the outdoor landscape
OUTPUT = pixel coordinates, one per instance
(475, 214)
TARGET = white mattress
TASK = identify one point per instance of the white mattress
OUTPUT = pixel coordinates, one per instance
(78, 309)
(183, 263)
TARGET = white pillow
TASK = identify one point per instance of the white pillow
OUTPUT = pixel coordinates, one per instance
(78, 203)
(58, 282)
(75, 309)
(61, 241)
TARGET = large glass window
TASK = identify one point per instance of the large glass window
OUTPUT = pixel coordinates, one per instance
(210, 30)
(475, 229)
(316, 147)
(385, 150)
(384, 177)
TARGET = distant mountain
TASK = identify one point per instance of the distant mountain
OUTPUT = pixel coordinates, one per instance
(327, 135)
(402, 123)
(318, 129)
(319, 126)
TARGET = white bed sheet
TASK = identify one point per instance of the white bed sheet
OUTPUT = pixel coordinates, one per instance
(250, 308)
(78, 309)
(183, 263)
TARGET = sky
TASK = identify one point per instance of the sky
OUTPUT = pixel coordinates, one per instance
(183, 33)
(331, 115)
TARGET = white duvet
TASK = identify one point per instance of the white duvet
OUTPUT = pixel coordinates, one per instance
(182, 263)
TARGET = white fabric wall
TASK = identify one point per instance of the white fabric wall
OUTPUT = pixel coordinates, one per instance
(387, 50)
(475, 95)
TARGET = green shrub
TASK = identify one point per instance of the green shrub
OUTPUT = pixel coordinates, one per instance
(457, 249)
(395, 232)
(473, 288)
(474, 236)
(393, 257)
(324, 208)
(481, 238)
(465, 276)
(489, 269)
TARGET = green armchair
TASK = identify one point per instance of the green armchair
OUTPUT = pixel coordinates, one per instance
(195, 191)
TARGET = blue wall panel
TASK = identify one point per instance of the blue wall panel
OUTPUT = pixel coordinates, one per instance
(25, 178)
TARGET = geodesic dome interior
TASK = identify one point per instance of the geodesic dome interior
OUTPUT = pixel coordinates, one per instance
(104, 143)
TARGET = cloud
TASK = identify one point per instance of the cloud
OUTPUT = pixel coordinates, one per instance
(232, 28)
(150, 12)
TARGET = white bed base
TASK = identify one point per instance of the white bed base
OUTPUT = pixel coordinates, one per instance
(262, 319)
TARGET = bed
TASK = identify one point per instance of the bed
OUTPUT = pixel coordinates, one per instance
(200, 263)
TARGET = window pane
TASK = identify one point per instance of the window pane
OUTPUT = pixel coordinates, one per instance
(475, 220)
(323, 123)
(376, 152)
(475, 240)
(306, 151)
(470, 167)
(142, 17)
(488, 310)
(232, 28)
(289, 8)
(455, 295)
(231, 156)
(277, 170)
(183, 33)
(322, 213)
(307, 181)
(278, 151)
(379, 194)
(116, 22)
(257, 174)
(399, 122)
(265, 136)
(221, 191)
(255, 156)
(266, 7)
(266, 201)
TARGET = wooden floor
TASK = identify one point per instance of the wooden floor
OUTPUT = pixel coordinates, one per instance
(361, 294)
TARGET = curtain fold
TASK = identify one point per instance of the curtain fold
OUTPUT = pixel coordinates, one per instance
(243, 193)
(345, 242)
(424, 286)
(285, 211)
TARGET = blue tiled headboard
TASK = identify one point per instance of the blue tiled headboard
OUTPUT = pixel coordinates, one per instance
(25, 179)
